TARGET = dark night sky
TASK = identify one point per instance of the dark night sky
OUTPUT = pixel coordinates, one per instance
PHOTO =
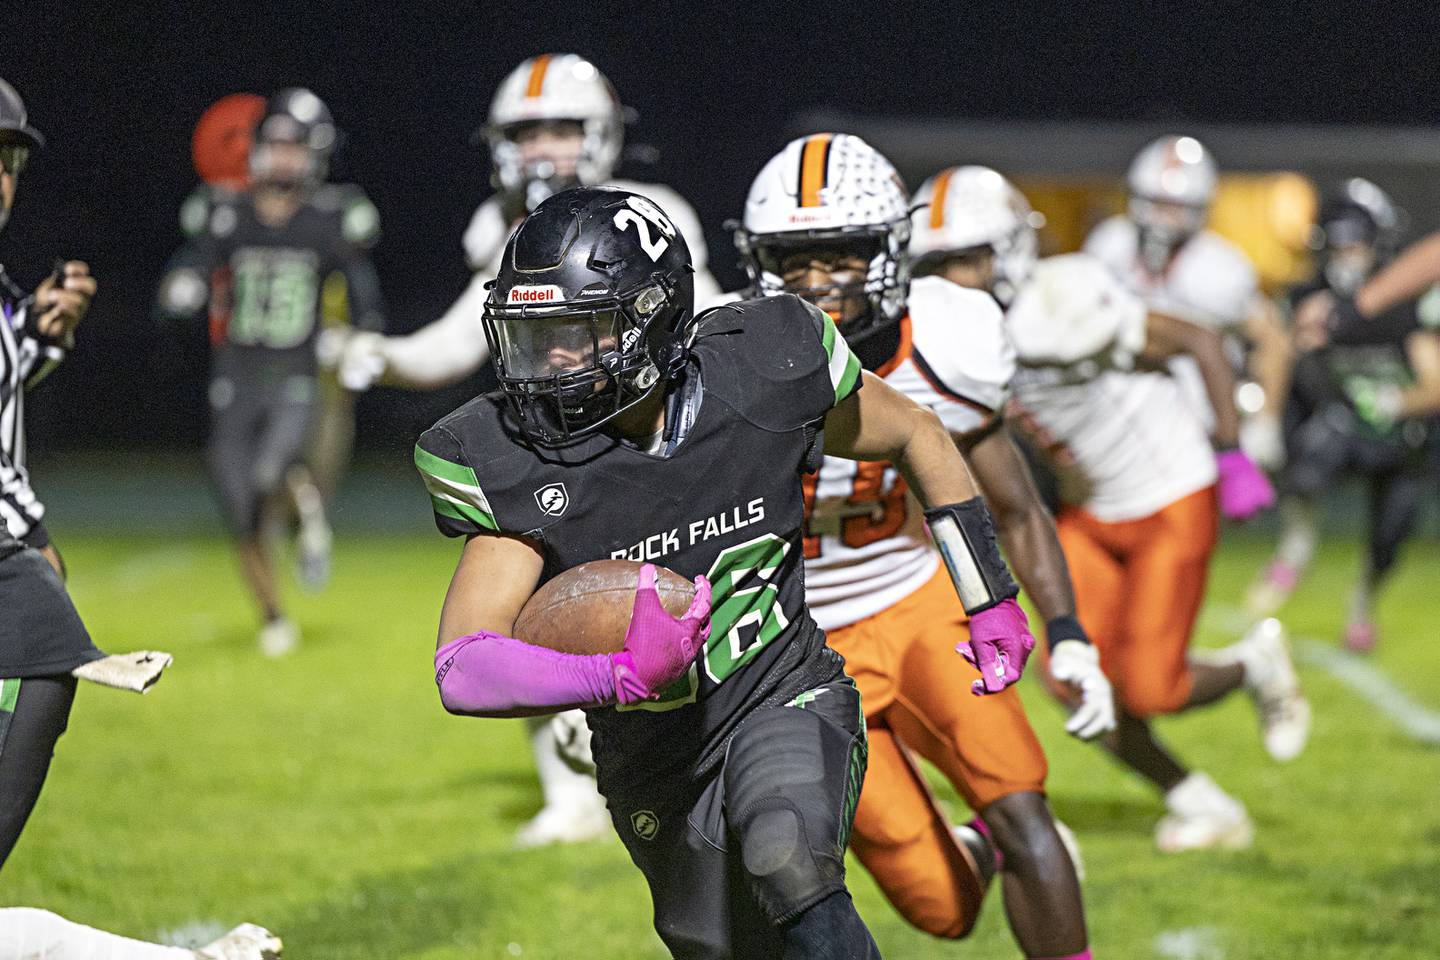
(117, 88)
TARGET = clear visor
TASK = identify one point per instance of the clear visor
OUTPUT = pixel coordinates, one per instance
(540, 347)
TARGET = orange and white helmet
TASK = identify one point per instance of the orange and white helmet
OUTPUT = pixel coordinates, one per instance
(1172, 182)
(828, 191)
(554, 87)
(971, 207)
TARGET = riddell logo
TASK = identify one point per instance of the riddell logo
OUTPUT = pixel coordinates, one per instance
(541, 294)
(808, 217)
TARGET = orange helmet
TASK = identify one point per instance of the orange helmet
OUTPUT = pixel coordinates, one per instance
(221, 143)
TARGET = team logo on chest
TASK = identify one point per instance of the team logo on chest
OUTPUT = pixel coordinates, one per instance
(552, 499)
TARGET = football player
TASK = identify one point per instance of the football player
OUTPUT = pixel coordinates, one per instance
(1162, 251)
(729, 743)
(555, 122)
(265, 260)
(1369, 315)
(828, 219)
(1139, 481)
(1357, 408)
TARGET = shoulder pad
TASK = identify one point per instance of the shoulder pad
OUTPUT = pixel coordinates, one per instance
(471, 464)
(1073, 308)
(485, 236)
(1212, 282)
(1115, 241)
(223, 211)
(959, 339)
(195, 212)
(777, 361)
(359, 220)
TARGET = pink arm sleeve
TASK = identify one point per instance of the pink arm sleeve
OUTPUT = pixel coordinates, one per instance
(488, 674)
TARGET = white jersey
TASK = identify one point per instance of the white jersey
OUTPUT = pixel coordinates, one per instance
(867, 548)
(454, 346)
(1124, 442)
(1209, 282)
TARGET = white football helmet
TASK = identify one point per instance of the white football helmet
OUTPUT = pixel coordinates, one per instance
(964, 208)
(554, 87)
(824, 191)
(1172, 182)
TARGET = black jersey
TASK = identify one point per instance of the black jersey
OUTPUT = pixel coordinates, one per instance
(1351, 372)
(272, 287)
(726, 503)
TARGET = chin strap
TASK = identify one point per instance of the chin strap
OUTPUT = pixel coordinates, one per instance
(965, 534)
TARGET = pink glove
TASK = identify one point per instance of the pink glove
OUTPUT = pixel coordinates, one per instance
(1000, 643)
(1244, 489)
(489, 674)
(658, 648)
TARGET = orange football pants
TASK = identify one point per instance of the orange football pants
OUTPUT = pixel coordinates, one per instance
(1138, 589)
(915, 691)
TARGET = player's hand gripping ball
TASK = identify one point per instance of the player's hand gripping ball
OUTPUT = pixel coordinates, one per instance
(652, 620)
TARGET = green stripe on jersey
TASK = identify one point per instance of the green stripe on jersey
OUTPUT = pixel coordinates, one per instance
(844, 367)
(9, 693)
(454, 490)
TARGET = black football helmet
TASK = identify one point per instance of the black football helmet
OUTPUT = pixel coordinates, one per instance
(591, 312)
(1356, 231)
(294, 116)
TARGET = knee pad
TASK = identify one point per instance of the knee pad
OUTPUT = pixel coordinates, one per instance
(789, 777)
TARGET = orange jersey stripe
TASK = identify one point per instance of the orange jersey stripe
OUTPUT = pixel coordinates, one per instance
(537, 75)
(902, 353)
(937, 201)
(813, 161)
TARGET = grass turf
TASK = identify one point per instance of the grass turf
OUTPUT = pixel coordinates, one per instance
(328, 796)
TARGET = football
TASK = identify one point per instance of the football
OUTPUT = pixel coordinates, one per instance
(586, 609)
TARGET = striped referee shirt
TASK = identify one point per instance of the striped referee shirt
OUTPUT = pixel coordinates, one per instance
(25, 359)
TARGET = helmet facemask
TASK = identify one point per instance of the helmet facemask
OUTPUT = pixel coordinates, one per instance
(528, 180)
(1164, 226)
(867, 270)
(568, 368)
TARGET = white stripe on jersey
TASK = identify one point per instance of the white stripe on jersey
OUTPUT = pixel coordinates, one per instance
(20, 510)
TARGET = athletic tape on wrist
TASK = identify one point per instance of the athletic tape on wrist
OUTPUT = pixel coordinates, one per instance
(965, 535)
(1064, 628)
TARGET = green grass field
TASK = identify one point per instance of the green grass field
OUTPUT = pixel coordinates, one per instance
(330, 797)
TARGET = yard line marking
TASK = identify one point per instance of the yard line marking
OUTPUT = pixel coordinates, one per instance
(137, 571)
(1190, 943)
(1415, 720)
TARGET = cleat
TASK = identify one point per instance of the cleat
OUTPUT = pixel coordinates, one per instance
(1201, 816)
(1268, 594)
(245, 942)
(567, 823)
(1360, 637)
(278, 638)
(1273, 686)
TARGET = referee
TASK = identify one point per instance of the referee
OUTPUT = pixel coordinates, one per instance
(41, 636)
